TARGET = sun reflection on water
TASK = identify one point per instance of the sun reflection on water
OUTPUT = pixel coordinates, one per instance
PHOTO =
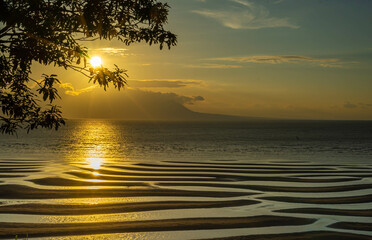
(94, 143)
(95, 163)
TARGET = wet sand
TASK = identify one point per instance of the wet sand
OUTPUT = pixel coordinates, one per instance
(319, 235)
(335, 200)
(353, 226)
(25, 192)
(329, 211)
(50, 209)
(277, 188)
(41, 230)
(237, 195)
(222, 176)
(248, 171)
(70, 182)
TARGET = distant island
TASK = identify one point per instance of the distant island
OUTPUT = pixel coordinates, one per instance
(139, 105)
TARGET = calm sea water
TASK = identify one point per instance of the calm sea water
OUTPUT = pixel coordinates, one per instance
(324, 141)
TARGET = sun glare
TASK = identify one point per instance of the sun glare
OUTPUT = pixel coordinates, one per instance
(95, 163)
(96, 61)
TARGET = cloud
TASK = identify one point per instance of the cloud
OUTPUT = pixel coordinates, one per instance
(246, 15)
(365, 105)
(163, 83)
(323, 62)
(215, 66)
(190, 100)
(350, 105)
(358, 105)
(166, 97)
(112, 51)
(198, 98)
(277, 59)
(70, 90)
(334, 65)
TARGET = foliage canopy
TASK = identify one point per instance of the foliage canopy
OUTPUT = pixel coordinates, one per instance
(50, 32)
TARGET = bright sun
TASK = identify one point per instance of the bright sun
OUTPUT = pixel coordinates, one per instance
(96, 61)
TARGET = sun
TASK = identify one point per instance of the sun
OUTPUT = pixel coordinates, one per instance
(96, 61)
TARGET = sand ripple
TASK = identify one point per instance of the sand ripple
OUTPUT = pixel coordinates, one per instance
(321, 201)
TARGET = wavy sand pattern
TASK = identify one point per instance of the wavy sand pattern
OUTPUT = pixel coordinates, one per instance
(268, 200)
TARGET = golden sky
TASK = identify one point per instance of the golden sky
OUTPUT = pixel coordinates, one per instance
(275, 58)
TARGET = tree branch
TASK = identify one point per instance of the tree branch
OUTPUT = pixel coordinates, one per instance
(4, 30)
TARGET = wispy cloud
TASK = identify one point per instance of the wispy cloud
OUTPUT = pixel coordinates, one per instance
(350, 105)
(323, 62)
(160, 97)
(365, 105)
(214, 66)
(186, 99)
(246, 15)
(357, 105)
(162, 83)
(277, 59)
(112, 51)
(70, 90)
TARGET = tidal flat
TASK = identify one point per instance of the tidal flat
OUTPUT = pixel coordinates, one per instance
(178, 197)
(109, 180)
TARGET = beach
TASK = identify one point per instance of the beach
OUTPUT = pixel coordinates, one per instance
(189, 197)
(325, 203)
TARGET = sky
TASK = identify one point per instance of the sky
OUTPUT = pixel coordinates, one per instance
(287, 59)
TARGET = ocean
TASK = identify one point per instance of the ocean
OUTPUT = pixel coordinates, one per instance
(111, 179)
(321, 141)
